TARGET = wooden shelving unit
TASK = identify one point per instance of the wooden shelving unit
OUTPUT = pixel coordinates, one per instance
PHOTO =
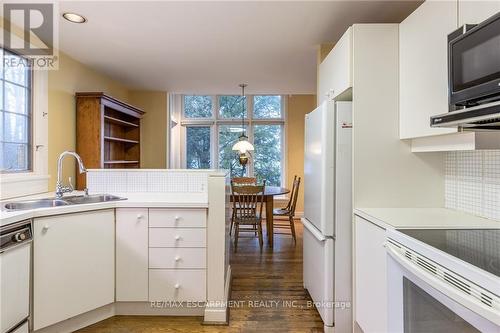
(121, 162)
(108, 133)
(110, 138)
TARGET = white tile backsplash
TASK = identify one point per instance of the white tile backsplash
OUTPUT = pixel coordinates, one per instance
(152, 181)
(472, 182)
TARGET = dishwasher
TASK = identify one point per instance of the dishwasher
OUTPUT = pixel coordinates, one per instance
(15, 267)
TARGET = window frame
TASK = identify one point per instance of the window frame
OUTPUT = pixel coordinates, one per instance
(216, 120)
(28, 115)
(35, 180)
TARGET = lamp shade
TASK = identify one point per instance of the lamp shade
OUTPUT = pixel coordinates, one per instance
(243, 146)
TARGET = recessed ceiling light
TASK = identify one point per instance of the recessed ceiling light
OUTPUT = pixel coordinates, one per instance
(75, 18)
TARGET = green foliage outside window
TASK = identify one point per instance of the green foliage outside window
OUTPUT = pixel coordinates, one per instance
(197, 106)
(198, 147)
(232, 106)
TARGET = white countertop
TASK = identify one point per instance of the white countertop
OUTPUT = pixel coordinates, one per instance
(429, 218)
(158, 200)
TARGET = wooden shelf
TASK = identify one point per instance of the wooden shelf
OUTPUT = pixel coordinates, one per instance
(121, 162)
(120, 122)
(111, 138)
(108, 133)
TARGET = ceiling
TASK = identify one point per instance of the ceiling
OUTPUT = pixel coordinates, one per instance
(210, 47)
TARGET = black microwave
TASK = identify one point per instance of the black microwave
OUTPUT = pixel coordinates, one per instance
(474, 64)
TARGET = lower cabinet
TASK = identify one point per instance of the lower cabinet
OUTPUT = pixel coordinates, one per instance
(74, 265)
(160, 254)
(177, 255)
(132, 254)
(371, 277)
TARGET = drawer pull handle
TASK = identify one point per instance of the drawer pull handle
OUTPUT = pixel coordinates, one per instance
(139, 216)
(45, 228)
(177, 258)
(177, 286)
(177, 218)
(177, 237)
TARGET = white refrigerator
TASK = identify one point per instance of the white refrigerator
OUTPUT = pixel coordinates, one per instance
(328, 213)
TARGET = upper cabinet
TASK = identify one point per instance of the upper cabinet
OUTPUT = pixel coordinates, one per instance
(474, 12)
(423, 67)
(423, 74)
(335, 72)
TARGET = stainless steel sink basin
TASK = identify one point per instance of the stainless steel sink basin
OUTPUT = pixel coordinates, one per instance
(52, 202)
(92, 199)
(32, 204)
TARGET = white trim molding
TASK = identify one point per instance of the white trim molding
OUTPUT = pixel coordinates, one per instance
(20, 184)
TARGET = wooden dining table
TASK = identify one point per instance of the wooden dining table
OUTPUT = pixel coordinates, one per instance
(269, 193)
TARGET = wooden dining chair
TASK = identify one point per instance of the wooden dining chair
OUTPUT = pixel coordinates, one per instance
(247, 210)
(241, 181)
(289, 211)
(244, 180)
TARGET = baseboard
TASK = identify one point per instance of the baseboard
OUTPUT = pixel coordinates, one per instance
(81, 321)
(218, 313)
(160, 309)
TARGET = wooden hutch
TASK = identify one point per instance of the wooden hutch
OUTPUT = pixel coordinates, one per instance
(108, 133)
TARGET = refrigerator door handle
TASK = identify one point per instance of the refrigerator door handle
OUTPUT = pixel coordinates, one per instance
(312, 229)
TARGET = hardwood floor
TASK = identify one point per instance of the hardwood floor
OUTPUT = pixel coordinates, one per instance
(267, 285)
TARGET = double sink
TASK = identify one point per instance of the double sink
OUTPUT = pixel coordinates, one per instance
(54, 202)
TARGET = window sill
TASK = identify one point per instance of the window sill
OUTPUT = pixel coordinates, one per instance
(21, 184)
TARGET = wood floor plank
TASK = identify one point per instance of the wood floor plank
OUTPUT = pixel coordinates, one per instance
(268, 277)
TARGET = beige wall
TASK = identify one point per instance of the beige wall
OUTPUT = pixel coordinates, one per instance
(154, 127)
(72, 76)
(385, 172)
(298, 106)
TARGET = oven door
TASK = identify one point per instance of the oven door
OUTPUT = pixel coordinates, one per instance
(419, 302)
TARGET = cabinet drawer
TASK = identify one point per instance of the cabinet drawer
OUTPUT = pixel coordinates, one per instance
(172, 218)
(176, 237)
(177, 285)
(177, 258)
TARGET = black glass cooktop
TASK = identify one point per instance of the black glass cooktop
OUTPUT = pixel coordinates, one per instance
(479, 247)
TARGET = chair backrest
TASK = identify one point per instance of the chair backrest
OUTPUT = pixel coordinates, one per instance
(294, 195)
(246, 200)
(244, 180)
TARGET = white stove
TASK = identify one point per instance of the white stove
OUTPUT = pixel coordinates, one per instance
(443, 280)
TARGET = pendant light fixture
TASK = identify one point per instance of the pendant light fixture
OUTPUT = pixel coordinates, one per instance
(243, 146)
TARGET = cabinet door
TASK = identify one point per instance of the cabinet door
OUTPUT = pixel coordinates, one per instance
(370, 277)
(132, 254)
(335, 72)
(423, 67)
(74, 269)
(474, 12)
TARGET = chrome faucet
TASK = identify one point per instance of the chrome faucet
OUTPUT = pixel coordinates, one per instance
(60, 188)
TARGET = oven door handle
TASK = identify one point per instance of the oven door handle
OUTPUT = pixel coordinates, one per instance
(448, 290)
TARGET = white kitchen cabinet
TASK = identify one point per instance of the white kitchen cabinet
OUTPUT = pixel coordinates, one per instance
(74, 270)
(335, 72)
(168, 257)
(177, 285)
(173, 218)
(474, 12)
(131, 254)
(177, 237)
(370, 277)
(423, 67)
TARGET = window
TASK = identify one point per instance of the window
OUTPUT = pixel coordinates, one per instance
(197, 106)
(211, 125)
(15, 116)
(198, 147)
